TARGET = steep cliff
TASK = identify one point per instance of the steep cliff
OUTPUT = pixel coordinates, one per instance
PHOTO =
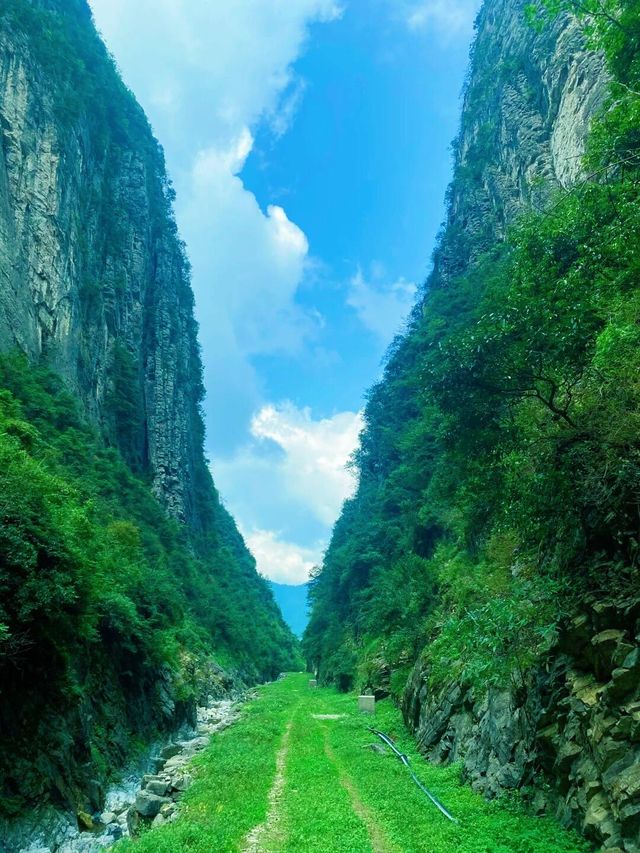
(94, 278)
(529, 99)
(121, 572)
(485, 573)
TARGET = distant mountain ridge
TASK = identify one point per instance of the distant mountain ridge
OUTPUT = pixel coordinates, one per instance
(292, 601)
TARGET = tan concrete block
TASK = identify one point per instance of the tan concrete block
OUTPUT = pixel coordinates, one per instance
(367, 704)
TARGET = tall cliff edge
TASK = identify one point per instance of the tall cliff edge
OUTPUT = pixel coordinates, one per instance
(94, 279)
(485, 573)
(122, 574)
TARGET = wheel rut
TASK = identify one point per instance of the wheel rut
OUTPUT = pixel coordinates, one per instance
(270, 834)
(380, 842)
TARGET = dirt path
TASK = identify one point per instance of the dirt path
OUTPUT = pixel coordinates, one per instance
(269, 834)
(380, 843)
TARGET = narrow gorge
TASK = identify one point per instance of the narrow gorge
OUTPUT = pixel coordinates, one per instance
(481, 581)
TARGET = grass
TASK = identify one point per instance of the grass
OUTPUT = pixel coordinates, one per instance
(233, 777)
(338, 795)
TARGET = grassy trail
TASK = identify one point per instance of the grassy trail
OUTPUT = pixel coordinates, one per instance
(297, 773)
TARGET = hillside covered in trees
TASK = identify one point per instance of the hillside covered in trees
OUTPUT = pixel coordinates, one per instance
(125, 586)
(486, 570)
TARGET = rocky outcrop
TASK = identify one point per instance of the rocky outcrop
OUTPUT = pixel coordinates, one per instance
(570, 733)
(95, 287)
(149, 795)
(528, 102)
(569, 736)
(93, 277)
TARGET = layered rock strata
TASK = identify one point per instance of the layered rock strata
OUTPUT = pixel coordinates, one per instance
(93, 276)
(569, 736)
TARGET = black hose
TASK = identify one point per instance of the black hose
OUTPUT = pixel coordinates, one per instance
(405, 760)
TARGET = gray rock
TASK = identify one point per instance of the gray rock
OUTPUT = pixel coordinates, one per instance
(54, 247)
(157, 763)
(133, 820)
(175, 763)
(170, 751)
(168, 809)
(157, 787)
(148, 805)
(580, 731)
(115, 832)
(181, 782)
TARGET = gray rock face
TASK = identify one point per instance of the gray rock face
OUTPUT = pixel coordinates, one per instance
(575, 727)
(526, 112)
(157, 787)
(91, 268)
(131, 805)
(148, 804)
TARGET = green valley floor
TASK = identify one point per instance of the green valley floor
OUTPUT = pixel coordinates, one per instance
(297, 773)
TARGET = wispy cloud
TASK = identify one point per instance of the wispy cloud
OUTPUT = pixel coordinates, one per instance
(294, 470)
(315, 454)
(282, 561)
(382, 307)
(445, 18)
(220, 69)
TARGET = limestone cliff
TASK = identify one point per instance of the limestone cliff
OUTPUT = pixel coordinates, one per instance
(570, 730)
(93, 277)
(527, 106)
(102, 644)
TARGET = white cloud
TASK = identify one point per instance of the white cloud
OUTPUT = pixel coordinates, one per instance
(381, 307)
(248, 263)
(445, 18)
(229, 61)
(315, 453)
(289, 485)
(282, 561)
(207, 73)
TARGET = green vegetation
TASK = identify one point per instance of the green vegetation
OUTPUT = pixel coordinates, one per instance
(500, 462)
(89, 99)
(71, 53)
(102, 596)
(110, 611)
(336, 794)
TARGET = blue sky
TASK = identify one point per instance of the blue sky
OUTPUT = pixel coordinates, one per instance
(308, 141)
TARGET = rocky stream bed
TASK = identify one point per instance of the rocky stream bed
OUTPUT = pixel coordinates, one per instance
(148, 791)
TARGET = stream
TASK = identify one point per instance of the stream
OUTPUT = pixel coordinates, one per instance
(148, 790)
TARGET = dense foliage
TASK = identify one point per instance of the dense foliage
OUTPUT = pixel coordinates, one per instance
(500, 461)
(110, 611)
(101, 593)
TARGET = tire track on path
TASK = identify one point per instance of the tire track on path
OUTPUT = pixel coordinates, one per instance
(380, 842)
(270, 832)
